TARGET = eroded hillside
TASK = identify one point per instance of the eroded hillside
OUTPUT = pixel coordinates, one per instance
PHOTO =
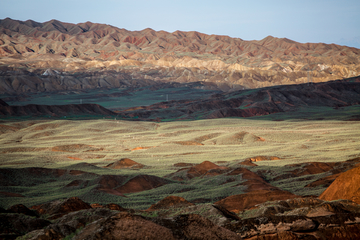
(54, 56)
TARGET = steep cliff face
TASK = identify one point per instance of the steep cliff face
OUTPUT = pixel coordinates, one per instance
(230, 63)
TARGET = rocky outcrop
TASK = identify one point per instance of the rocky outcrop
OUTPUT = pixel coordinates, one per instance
(205, 168)
(128, 226)
(294, 218)
(125, 163)
(141, 183)
(297, 227)
(124, 226)
(170, 202)
(240, 202)
(345, 186)
(15, 224)
(59, 208)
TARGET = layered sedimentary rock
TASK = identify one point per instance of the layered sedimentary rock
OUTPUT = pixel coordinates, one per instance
(50, 56)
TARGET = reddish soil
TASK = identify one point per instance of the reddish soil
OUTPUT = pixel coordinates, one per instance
(254, 182)
(246, 174)
(140, 148)
(237, 203)
(74, 158)
(312, 168)
(6, 128)
(111, 181)
(113, 206)
(255, 185)
(345, 186)
(183, 164)
(169, 202)
(262, 158)
(205, 168)
(96, 205)
(125, 163)
(20, 208)
(9, 194)
(125, 226)
(142, 183)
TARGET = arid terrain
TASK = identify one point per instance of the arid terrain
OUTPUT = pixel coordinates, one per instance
(56, 56)
(107, 133)
(225, 170)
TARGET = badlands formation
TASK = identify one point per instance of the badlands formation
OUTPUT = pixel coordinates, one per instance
(292, 174)
(56, 56)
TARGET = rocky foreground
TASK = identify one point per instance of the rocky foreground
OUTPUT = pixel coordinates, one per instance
(299, 218)
(264, 212)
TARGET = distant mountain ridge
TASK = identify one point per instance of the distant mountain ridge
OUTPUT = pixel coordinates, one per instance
(230, 63)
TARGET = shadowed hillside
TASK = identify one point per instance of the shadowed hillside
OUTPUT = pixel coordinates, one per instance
(257, 102)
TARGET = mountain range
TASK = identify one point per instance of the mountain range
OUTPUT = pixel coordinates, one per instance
(56, 56)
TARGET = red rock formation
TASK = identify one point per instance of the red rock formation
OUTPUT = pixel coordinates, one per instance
(141, 183)
(125, 163)
(345, 186)
(312, 168)
(59, 208)
(113, 206)
(237, 203)
(124, 226)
